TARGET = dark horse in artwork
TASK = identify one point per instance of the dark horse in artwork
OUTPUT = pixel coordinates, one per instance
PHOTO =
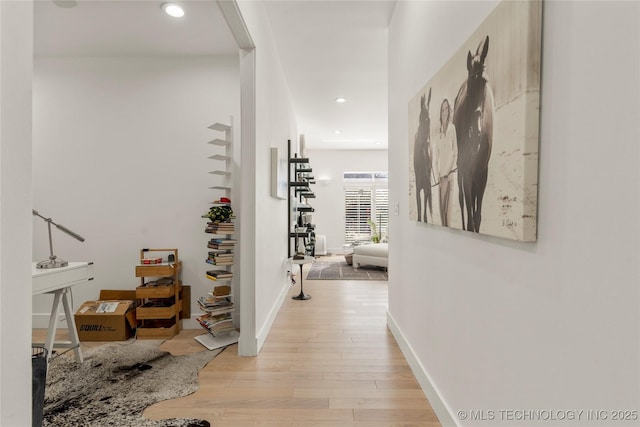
(422, 159)
(473, 119)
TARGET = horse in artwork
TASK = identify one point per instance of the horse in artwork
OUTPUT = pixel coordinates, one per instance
(422, 159)
(473, 119)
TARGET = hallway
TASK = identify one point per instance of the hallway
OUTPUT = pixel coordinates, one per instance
(328, 361)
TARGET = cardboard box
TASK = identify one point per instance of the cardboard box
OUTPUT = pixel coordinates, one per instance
(106, 320)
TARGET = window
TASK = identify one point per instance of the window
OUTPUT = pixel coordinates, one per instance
(366, 197)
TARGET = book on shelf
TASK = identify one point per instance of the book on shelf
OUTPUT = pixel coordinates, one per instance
(212, 319)
(222, 226)
(218, 310)
(220, 258)
(219, 228)
(216, 230)
(219, 304)
(227, 244)
(224, 241)
(220, 251)
(219, 262)
(217, 323)
(220, 254)
(219, 274)
(219, 246)
(221, 291)
(215, 301)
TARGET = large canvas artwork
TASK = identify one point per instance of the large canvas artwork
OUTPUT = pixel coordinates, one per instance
(473, 130)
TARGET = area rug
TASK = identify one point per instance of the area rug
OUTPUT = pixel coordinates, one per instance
(340, 270)
(116, 382)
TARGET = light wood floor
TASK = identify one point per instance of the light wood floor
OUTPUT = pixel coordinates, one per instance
(328, 361)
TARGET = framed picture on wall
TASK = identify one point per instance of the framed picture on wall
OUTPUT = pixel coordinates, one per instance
(279, 184)
(473, 130)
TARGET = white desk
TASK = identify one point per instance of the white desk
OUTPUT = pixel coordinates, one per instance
(58, 281)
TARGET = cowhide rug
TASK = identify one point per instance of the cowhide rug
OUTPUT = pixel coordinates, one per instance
(116, 382)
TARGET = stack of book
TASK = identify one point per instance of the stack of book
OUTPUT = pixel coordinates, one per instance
(219, 274)
(217, 324)
(220, 228)
(226, 244)
(215, 305)
(220, 258)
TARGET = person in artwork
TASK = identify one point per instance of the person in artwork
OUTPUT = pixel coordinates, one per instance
(446, 159)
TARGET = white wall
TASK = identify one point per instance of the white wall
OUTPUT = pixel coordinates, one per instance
(490, 324)
(16, 68)
(265, 218)
(329, 202)
(120, 157)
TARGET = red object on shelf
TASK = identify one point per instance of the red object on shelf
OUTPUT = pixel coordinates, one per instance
(151, 260)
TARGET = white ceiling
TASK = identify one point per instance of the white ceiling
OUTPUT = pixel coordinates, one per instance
(333, 49)
(328, 49)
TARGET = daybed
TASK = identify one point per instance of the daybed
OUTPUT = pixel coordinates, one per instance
(373, 254)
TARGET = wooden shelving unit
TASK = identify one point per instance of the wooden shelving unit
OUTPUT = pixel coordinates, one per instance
(159, 296)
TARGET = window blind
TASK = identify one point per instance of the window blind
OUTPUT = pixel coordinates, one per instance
(365, 197)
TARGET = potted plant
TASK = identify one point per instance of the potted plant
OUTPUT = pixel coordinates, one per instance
(375, 235)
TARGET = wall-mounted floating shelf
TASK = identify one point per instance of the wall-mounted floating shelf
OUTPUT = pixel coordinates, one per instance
(220, 142)
(221, 127)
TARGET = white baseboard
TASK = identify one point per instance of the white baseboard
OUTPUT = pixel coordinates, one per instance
(441, 409)
(264, 331)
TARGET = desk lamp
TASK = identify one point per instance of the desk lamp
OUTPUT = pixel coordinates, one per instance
(53, 261)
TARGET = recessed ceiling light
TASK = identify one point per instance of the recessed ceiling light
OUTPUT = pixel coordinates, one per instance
(341, 100)
(338, 132)
(173, 9)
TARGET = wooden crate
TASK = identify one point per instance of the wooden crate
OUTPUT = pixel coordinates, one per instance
(158, 329)
(161, 291)
(148, 311)
(158, 270)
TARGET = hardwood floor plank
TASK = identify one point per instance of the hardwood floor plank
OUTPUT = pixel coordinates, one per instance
(369, 375)
(403, 384)
(307, 383)
(396, 415)
(379, 403)
(327, 362)
(289, 415)
(297, 356)
(368, 393)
